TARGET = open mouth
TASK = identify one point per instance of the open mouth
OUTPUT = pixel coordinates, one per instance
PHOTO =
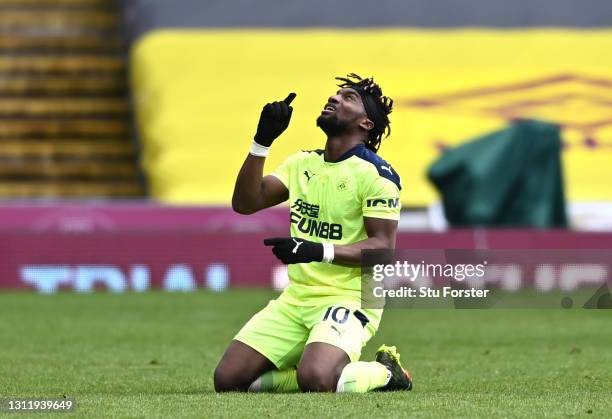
(329, 108)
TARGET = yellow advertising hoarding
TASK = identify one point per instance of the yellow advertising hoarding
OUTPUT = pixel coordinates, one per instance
(198, 94)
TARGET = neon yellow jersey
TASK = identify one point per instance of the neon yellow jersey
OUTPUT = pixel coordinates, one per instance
(328, 203)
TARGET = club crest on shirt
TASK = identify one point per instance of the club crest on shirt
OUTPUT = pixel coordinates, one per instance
(343, 185)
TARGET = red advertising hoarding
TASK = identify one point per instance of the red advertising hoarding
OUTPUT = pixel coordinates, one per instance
(139, 247)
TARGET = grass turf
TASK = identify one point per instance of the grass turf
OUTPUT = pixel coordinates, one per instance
(153, 354)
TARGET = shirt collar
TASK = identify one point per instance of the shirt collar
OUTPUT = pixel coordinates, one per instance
(353, 151)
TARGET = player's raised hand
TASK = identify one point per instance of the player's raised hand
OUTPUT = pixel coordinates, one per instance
(274, 120)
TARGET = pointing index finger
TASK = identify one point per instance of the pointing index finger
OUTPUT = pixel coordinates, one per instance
(290, 98)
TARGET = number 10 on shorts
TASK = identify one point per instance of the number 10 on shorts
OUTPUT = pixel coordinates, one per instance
(337, 314)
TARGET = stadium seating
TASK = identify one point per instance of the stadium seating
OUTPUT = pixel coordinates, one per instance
(65, 116)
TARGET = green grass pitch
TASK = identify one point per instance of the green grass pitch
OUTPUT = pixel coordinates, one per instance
(153, 354)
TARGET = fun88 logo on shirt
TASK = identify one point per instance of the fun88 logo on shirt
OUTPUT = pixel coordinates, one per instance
(304, 215)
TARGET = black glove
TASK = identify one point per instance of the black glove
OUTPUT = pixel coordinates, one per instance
(274, 120)
(291, 250)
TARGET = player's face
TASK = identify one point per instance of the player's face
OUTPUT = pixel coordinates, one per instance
(343, 111)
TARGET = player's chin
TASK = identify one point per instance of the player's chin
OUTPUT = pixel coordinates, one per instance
(327, 120)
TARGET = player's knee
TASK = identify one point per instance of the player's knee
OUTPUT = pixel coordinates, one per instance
(226, 379)
(222, 379)
(316, 378)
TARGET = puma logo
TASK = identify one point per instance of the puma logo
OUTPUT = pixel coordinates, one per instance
(308, 176)
(387, 168)
(297, 246)
(336, 329)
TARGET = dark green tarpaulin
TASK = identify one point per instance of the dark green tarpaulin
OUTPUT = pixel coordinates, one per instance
(508, 178)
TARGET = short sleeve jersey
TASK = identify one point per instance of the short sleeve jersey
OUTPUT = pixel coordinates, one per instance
(328, 203)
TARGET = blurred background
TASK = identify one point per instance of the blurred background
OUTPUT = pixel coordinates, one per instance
(123, 125)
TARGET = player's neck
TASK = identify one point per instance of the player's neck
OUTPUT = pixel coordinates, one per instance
(335, 147)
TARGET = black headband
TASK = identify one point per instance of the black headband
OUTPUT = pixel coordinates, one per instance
(372, 110)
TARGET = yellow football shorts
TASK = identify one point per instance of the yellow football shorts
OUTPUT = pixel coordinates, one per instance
(281, 330)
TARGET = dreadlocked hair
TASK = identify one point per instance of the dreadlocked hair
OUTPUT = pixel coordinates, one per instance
(377, 106)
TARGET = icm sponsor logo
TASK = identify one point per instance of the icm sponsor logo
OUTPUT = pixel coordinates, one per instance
(383, 202)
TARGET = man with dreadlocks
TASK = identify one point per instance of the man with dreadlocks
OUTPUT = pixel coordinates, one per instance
(343, 199)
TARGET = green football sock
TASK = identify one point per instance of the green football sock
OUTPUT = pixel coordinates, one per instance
(361, 377)
(277, 381)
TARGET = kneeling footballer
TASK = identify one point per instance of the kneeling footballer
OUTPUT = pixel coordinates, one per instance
(343, 199)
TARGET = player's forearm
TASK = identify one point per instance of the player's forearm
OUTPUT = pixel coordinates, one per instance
(247, 191)
(350, 255)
